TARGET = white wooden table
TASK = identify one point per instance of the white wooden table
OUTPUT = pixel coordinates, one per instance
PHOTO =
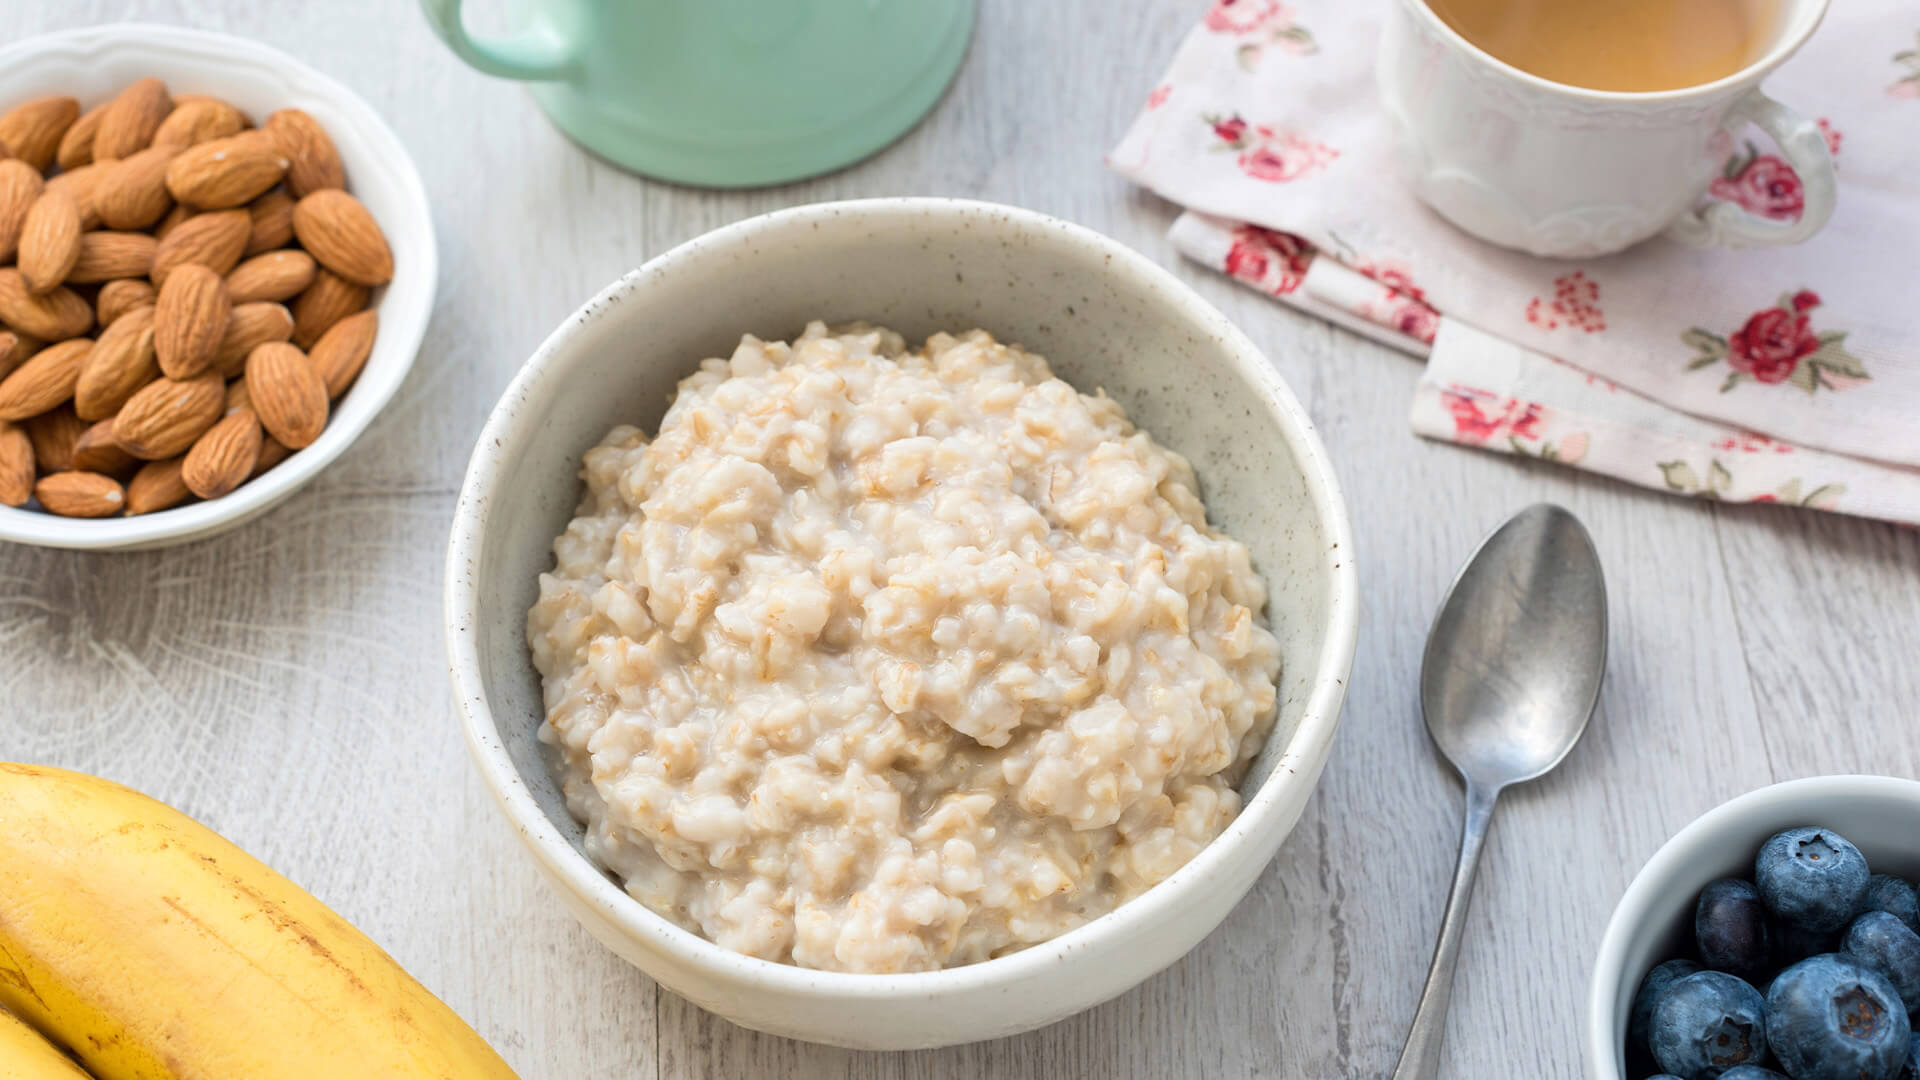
(284, 682)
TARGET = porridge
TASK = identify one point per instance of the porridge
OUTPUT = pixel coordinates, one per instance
(881, 660)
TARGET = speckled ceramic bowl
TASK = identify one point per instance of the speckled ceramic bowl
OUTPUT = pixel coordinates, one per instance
(1104, 317)
(1878, 814)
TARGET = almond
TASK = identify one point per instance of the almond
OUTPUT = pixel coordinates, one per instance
(343, 236)
(174, 219)
(81, 494)
(44, 381)
(272, 452)
(272, 216)
(328, 300)
(33, 131)
(106, 255)
(250, 325)
(342, 351)
(197, 121)
(157, 486)
(81, 183)
(54, 434)
(226, 172)
(287, 394)
(119, 297)
(20, 187)
(313, 163)
(15, 348)
(96, 451)
(76, 146)
(189, 99)
(128, 122)
(189, 320)
(167, 415)
(56, 316)
(122, 361)
(224, 457)
(50, 241)
(237, 396)
(132, 192)
(16, 465)
(276, 275)
(212, 240)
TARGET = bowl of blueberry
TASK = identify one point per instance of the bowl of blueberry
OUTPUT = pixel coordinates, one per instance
(1777, 936)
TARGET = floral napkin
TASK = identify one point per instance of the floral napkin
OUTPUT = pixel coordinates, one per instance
(1778, 375)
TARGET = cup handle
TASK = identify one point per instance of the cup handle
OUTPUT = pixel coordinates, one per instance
(1804, 146)
(544, 53)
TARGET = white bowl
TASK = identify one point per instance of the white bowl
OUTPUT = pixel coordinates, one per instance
(1879, 814)
(1104, 316)
(94, 63)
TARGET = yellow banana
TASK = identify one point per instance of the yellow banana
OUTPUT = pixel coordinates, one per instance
(156, 950)
(24, 1055)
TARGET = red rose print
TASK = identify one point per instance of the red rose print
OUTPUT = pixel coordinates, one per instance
(1417, 321)
(1243, 16)
(1576, 303)
(1247, 261)
(1158, 97)
(1402, 305)
(1479, 415)
(1779, 345)
(1231, 130)
(1394, 275)
(1767, 186)
(1770, 346)
(1281, 156)
(1273, 262)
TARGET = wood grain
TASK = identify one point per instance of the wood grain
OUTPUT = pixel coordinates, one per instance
(284, 682)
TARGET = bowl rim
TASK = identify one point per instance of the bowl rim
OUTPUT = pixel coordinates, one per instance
(1629, 918)
(401, 330)
(1306, 752)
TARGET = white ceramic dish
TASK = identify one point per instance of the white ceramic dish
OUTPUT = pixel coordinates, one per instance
(1103, 316)
(1879, 814)
(94, 63)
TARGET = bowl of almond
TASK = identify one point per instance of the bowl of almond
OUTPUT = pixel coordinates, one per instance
(216, 266)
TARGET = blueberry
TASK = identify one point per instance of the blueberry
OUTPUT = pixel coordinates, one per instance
(1651, 988)
(1829, 1018)
(1811, 878)
(1730, 928)
(1708, 1020)
(1750, 1072)
(1890, 894)
(1879, 940)
(1911, 1070)
(1792, 944)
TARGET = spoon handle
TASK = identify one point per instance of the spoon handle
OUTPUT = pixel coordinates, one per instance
(1420, 1058)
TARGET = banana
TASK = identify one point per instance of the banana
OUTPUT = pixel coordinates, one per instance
(155, 950)
(24, 1055)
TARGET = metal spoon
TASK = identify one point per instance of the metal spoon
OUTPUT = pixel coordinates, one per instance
(1510, 677)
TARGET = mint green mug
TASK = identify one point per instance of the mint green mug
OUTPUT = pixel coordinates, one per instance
(726, 93)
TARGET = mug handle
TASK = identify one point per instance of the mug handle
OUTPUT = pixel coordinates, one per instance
(1804, 146)
(541, 54)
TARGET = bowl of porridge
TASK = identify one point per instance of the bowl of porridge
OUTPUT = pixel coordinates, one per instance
(901, 622)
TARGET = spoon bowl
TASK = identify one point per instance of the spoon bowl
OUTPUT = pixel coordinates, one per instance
(1514, 660)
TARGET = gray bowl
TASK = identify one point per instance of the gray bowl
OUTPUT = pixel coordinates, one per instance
(1104, 317)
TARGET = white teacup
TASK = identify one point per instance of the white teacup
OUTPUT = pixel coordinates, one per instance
(1564, 171)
